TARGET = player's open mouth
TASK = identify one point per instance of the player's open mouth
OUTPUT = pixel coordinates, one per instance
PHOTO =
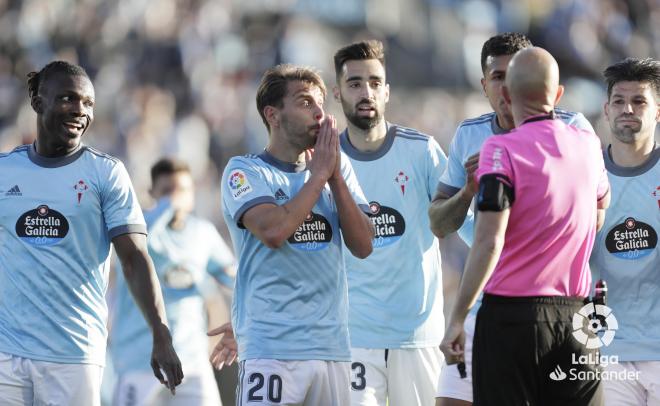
(73, 127)
(366, 108)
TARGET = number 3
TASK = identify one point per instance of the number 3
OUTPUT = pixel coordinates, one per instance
(360, 383)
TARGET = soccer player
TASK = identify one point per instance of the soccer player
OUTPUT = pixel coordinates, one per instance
(534, 234)
(288, 210)
(457, 186)
(627, 254)
(187, 252)
(395, 326)
(62, 204)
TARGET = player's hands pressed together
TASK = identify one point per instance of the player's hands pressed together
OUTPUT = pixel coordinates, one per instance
(323, 160)
(226, 350)
(471, 166)
(164, 359)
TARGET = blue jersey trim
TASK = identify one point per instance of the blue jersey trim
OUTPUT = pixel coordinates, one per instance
(250, 204)
(628, 172)
(127, 229)
(358, 155)
(447, 190)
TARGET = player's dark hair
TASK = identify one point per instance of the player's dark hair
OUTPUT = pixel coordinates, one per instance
(274, 83)
(168, 166)
(507, 43)
(359, 51)
(36, 79)
(633, 70)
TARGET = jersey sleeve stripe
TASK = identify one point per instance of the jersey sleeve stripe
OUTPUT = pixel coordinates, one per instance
(127, 229)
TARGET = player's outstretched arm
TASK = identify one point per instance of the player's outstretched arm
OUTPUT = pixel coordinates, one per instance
(453, 251)
(143, 283)
(446, 214)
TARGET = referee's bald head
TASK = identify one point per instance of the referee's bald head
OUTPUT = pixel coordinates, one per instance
(533, 79)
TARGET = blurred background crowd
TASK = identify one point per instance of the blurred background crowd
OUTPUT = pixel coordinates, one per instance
(178, 77)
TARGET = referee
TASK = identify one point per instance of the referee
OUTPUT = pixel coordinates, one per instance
(543, 191)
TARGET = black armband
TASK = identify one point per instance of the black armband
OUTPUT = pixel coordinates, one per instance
(495, 193)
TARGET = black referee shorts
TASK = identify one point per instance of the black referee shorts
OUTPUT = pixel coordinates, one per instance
(524, 353)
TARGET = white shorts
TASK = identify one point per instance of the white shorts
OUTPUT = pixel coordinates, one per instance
(450, 383)
(24, 381)
(402, 376)
(304, 383)
(141, 388)
(640, 385)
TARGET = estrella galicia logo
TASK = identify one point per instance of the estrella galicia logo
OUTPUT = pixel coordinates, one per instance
(389, 224)
(42, 226)
(631, 240)
(314, 234)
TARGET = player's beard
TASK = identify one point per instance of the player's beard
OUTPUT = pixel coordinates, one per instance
(627, 134)
(300, 136)
(363, 123)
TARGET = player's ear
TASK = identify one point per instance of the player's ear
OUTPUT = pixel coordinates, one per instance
(506, 95)
(272, 115)
(387, 92)
(606, 108)
(37, 104)
(560, 93)
(483, 86)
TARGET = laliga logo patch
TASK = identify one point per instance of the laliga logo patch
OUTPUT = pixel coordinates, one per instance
(238, 184)
(631, 240)
(314, 234)
(42, 226)
(389, 224)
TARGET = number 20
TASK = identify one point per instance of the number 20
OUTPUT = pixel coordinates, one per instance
(274, 388)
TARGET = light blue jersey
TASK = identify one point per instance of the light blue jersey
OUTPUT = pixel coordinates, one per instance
(395, 295)
(289, 303)
(184, 260)
(627, 256)
(470, 136)
(57, 219)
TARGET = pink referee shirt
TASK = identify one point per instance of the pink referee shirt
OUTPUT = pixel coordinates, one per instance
(558, 175)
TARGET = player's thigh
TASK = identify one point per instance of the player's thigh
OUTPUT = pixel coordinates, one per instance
(58, 384)
(623, 392)
(15, 383)
(452, 390)
(412, 375)
(650, 378)
(368, 386)
(330, 386)
(139, 388)
(198, 388)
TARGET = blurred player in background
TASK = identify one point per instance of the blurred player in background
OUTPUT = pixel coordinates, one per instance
(188, 254)
(395, 296)
(61, 205)
(288, 210)
(457, 186)
(535, 272)
(627, 254)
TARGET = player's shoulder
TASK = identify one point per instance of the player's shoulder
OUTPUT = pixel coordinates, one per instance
(242, 160)
(21, 149)
(483, 120)
(566, 115)
(101, 157)
(411, 134)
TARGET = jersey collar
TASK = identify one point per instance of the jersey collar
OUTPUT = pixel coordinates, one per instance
(55, 162)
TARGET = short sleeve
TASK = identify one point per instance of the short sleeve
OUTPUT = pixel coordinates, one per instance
(454, 177)
(494, 159)
(121, 209)
(351, 181)
(435, 166)
(243, 187)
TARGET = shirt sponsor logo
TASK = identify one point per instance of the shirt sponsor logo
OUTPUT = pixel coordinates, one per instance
(631, 240)
(239, 184)
(389, 224)
(314, 234)
(42, 226)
